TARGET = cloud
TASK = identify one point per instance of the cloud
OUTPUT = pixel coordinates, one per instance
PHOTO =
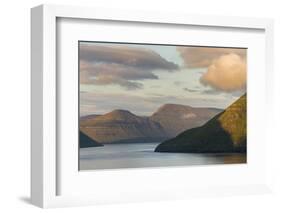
(210, 91)
(130, 56)
(110, 74)
(226, 67)
(190, 90)
(227, 73)
(200, 57)
(108, 79)
(121, 65)
(215, 92)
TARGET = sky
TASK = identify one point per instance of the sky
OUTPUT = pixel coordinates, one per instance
(141, 78)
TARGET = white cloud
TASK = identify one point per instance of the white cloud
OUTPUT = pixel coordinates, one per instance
(199, 57)
(227, 73)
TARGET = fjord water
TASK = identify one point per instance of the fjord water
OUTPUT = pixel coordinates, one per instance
(140, 155)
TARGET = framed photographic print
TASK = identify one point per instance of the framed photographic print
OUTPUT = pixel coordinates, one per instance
(155, 105)
(147, 105)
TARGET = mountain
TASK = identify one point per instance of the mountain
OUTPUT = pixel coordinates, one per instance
(86, 141)
(175, 118)
(88, 117)
(226, 132)
(122, 126)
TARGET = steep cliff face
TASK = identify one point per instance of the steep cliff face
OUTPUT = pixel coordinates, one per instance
(226, 132)
(175, 118)
(122, 126)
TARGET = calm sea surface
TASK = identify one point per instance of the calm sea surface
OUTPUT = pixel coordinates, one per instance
(138, 155)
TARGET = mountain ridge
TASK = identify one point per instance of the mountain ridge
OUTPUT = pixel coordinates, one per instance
(225, 132)
(176, 118)
(120, 125)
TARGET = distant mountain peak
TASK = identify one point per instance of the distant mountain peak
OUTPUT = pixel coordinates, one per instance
(172, 106)
(175, 118)
(123, 126)
(88, 117)
(118, 114)
(121, 111)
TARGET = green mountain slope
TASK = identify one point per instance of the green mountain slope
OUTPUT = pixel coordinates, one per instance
(226, 132)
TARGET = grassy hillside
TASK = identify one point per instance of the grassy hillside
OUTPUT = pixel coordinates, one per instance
(226, 132)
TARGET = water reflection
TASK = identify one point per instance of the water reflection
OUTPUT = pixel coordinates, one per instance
(116, 156)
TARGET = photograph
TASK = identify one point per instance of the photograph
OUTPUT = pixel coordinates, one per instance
(140, 105)
(161, 105)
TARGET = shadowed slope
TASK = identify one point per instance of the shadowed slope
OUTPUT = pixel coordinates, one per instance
(86, 141)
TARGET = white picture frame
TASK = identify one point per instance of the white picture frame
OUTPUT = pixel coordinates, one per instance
(45, 155)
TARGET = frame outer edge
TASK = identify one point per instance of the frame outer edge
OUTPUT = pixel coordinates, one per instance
(37, 106)
(49, 106)
(157, 17)
(270, 101)
(43, 81)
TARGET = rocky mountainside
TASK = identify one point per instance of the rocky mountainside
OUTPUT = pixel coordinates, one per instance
(85, 141)
(121, 126)
(175, 118)
(226, 132)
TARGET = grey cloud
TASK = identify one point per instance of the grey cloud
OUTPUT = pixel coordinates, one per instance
(212, 91)
(106, 74)
(120, 65)
(118, 70)
(105, 80)
(203, 91)
(135, 57)
(190, 90)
